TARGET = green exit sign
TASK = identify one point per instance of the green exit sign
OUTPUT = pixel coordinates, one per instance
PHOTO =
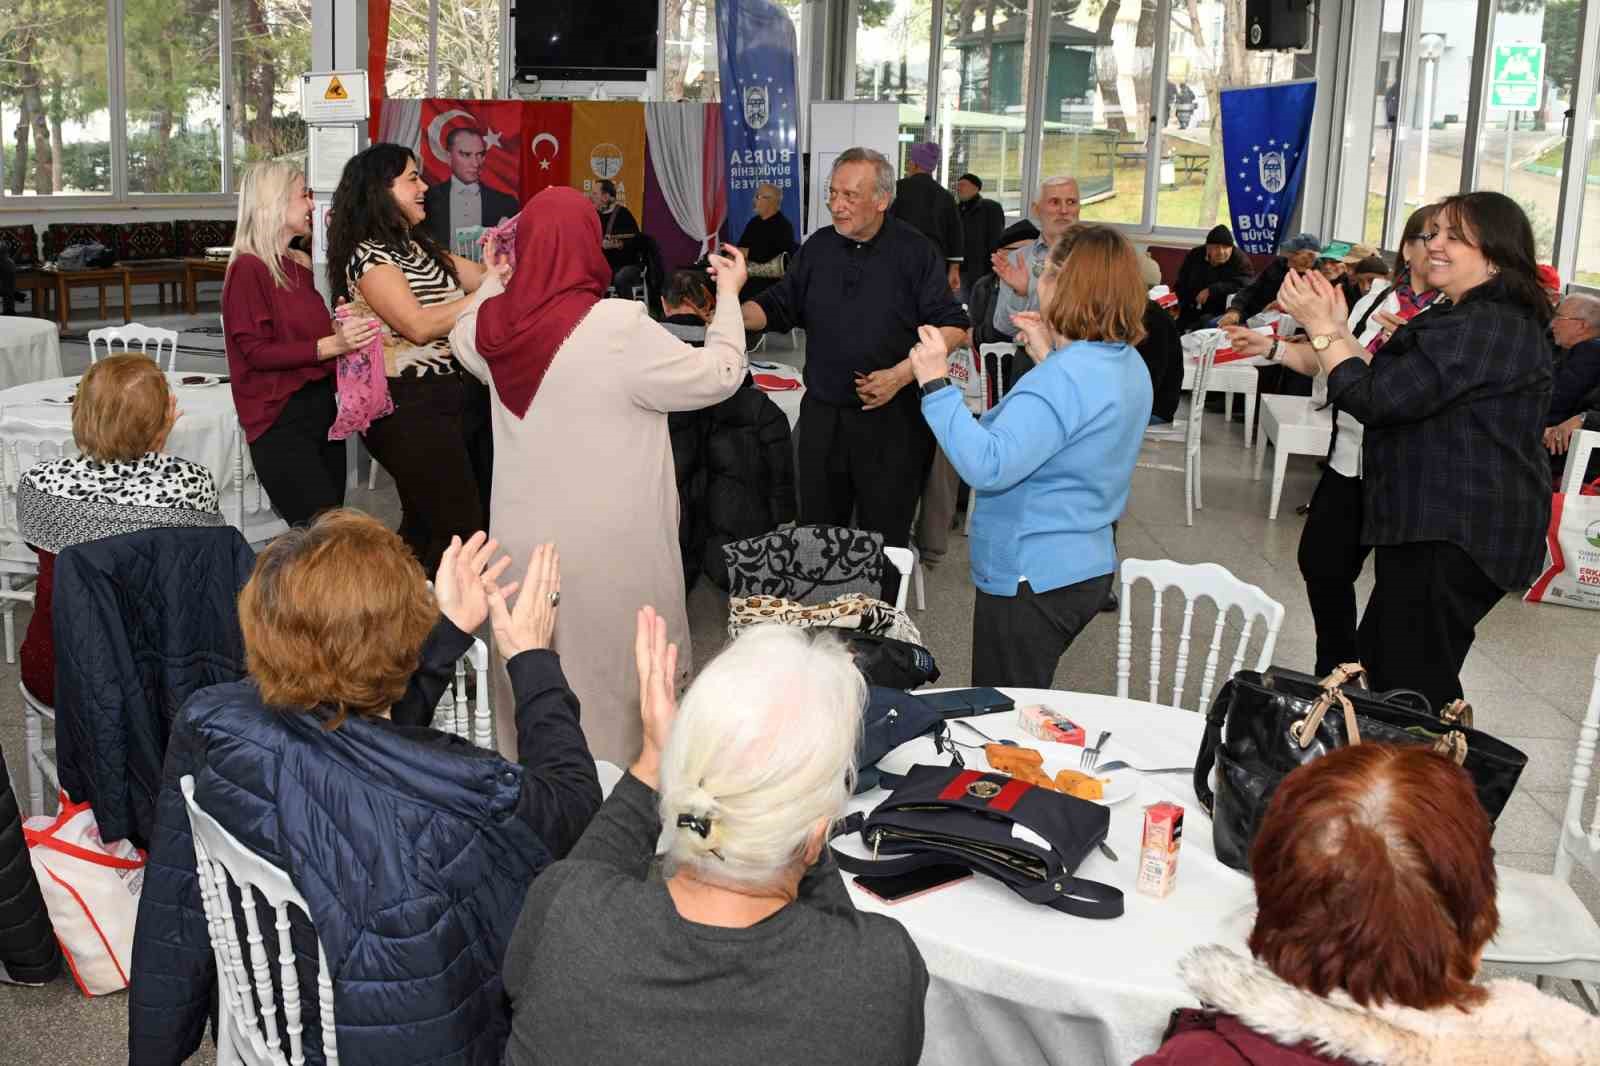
(1516, 77)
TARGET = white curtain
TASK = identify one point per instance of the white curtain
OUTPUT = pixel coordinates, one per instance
(676, 134)
(400, 122)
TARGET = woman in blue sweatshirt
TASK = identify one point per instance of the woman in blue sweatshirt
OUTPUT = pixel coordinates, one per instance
(1050, 466)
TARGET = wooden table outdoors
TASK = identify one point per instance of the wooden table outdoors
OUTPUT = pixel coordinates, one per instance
(197, 269)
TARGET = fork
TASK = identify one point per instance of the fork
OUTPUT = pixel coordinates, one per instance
(1091, 756)
(1118, 764)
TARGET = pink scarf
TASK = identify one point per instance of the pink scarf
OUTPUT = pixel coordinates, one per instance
(363, 386)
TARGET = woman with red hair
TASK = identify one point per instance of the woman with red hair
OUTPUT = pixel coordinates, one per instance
(1375, 888)
(582, 386)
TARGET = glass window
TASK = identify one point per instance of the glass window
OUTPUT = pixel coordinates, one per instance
(1520, 147)
(690, 50)
(982, 111)
(1588, 270)
(174, 107)
(1207, 55)
(892, 44)
(271, 49)
(1097, 103)
(469, 49)
(1429, 133)
(405, 75)
(55, 122)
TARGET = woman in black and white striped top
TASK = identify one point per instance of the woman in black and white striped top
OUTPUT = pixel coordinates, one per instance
(438, 443)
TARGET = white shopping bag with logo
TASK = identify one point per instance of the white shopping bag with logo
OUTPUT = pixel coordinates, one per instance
(1572, 545)
(91, 889)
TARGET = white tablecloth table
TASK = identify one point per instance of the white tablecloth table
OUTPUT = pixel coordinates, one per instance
(1022, 985)
(30, 350)
(207, 433)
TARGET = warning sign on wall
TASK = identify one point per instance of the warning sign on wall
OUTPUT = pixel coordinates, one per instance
(336, 96)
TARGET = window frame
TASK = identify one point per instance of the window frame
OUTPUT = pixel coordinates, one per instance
(119, 198)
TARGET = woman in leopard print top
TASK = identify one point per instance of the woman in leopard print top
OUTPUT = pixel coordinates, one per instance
(120, 483)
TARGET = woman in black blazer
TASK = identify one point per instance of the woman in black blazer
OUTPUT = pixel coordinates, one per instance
(1456, 485)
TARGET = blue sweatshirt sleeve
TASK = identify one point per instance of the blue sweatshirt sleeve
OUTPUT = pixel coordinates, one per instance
(1015, 443)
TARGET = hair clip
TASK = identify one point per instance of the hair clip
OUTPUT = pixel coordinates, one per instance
(699, 825)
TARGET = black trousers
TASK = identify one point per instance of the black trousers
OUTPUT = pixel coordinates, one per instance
(1422, 617)
(1019, 640)
(864, 469)
(301, 469)
(424, 446)
(1331, 558)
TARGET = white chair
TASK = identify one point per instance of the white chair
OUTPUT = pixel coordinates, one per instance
(248, 993)
(905, 561)
(609, 774)
(37, 753)
(1196, 582)
(1293, 425)
(990, 393)
(22, 445)
(1191, 469)
(1545, 929)
(454, 715)
(164, 340)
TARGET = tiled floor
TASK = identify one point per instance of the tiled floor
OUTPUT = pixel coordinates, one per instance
(1528, 678)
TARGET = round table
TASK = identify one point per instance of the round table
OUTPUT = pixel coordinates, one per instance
(207, 432)
(30, 350)
(1015, 983)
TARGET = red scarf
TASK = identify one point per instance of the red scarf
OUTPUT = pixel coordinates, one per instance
(561, 273)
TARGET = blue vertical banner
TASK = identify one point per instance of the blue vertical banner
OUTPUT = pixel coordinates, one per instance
(1265, 131)
(760, 132)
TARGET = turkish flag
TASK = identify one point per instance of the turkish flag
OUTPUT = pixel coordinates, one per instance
(547, 133)
(497, 122)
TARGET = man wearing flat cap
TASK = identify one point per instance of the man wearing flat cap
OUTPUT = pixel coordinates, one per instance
(928, 207)
(982, 222)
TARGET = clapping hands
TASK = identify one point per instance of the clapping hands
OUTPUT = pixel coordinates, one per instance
(464, 573)
(531, 623)
(1313, 302)
(657, 663)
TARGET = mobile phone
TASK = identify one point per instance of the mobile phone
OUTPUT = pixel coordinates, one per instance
(968, 702)
(897, 888)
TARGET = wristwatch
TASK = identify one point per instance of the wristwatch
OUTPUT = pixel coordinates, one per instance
(934, 386)
(1321, 341)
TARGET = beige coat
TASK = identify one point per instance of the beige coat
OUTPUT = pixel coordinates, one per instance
(589, 467)
(1517, 1024)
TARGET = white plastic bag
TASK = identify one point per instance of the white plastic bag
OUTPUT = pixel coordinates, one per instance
(1572, 545)
(91, 890)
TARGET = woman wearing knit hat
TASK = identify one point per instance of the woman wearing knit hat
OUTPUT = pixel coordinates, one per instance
(1210, 274)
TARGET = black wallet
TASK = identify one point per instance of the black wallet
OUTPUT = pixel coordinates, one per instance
(967, 702)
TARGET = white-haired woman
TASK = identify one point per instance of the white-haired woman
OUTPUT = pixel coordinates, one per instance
(740, 945)
(281, 342)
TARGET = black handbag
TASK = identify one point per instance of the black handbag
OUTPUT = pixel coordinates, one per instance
(889, 662)
(891, 718)
(946, 814)
(1261, 726)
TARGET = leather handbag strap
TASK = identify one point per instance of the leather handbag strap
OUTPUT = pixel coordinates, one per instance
(1210, 741)
(1077, 896)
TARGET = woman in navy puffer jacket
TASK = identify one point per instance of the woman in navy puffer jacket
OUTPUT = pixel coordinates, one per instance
(412, 848)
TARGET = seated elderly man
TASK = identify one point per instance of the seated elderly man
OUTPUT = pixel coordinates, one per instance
(1210, 274)
(120, 482)
(1297, 253)
(699, 919)
(1576, 331)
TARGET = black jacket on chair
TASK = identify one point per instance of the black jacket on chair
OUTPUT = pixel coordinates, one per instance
(141, 621)
(735, 471)
(28, 951)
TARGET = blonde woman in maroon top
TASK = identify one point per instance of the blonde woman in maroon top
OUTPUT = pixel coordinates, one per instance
(281, 344)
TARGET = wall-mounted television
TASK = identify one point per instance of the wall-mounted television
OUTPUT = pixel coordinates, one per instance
(579, 40)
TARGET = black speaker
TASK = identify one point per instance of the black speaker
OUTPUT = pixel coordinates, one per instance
(1274, 25)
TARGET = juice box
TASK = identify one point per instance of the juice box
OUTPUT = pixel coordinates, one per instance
(1051, 725)
(1158, 849)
